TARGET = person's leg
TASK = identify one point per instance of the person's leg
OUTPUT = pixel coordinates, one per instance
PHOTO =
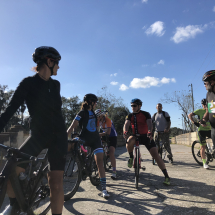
(55, 179)
(165, 140)
(213, 136)
(130, 147)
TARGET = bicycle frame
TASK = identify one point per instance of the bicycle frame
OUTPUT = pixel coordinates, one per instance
(9, 173)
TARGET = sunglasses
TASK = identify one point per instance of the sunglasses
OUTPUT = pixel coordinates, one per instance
(205, 83)
(56, 61)
(133, 105)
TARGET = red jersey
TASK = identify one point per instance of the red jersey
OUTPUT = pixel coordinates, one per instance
(140, 118)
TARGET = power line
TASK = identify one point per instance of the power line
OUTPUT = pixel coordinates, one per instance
(204, 61)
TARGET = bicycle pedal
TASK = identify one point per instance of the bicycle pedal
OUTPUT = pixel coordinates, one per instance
(143, 168)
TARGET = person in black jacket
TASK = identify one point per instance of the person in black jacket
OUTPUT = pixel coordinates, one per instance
(42, 96)
(87, 121)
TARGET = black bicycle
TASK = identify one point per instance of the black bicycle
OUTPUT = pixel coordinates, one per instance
(209, 154)
(31, 190)
(80, 164)
(106, 157)
(161, 149)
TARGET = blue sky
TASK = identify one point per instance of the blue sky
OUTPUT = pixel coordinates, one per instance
(137, 48)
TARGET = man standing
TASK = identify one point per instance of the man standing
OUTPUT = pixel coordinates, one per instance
(162, 126)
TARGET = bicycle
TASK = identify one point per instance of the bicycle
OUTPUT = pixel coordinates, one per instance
(209, 154)
(32, 190)
(161, 149)
(80, 164)
(106, 157)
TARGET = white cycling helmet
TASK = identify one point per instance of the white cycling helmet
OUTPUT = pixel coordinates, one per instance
(99, 112)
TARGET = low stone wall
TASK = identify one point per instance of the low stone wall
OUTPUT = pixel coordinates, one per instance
(14, 137)
(120, 140)
(186, 139)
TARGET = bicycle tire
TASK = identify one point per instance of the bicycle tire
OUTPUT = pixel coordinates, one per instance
(72, 176)
(94, 173)
(107, 162)
(196, 153)
(137, 168)
(3, 188)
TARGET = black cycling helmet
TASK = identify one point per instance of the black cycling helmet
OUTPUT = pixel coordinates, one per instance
(203, 102)
(90, 97)
(209, 75)
(136, 101)
(42, 53)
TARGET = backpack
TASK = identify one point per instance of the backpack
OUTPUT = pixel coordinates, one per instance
(163, 112)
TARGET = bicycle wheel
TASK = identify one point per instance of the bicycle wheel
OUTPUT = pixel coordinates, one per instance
(39, 202)
(72, 176)
(107, 162)
(3, 188)
(94, 175)
(196, 152)
(137, 168)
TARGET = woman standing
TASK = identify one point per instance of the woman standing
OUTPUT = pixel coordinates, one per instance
(86, 119)
(42, 95)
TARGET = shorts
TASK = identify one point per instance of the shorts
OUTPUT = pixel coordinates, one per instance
(93, 140)
(112, 141)
(56, 143)
(144, 140)
(202, 136)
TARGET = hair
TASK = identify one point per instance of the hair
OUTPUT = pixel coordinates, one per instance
(159, 104)
(37, 67)
(85, 105)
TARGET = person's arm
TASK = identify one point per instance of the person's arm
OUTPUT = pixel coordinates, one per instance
(16, 101)
(107, 132)
(190, 116)
(150, 125)
(126, 128)
(72, 127)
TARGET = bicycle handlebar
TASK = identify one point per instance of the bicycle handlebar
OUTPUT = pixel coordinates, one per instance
(17, 152)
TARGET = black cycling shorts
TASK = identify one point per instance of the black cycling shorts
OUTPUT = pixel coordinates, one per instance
(112, 141)
(144, 140)
(92, 139)
(56, 143)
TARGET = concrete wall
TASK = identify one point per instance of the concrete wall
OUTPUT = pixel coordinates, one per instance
(186, 139)
(14, 137)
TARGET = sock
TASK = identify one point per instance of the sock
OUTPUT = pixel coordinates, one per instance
(204, 161)
(103, 183)
(12, 201)
(165, 173)
(114, 170)
(131, 154)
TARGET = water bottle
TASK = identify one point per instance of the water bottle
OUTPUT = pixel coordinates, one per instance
(209, 147)
(23, 180)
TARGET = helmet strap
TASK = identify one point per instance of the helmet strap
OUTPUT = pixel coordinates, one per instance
(51, 68)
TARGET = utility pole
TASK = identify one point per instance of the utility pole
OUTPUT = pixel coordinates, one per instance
(192, 95)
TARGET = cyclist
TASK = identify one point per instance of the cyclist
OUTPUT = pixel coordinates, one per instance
(141, 123)
(162, 123)
(203, 132)
(86, 119)
(209, 82)
(109, 131)
(41, 93)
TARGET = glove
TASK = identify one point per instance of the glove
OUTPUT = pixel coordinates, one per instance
(149, 134)
(125, 134)
(202, 122)
(196, 124)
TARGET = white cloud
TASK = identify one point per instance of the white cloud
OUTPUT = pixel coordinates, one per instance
(185, 33)
(161, 62)
(115, 74)
(144, 1)
(173, 80)
(145, 65)
(214, 9)
(156, 28)
(148, 82)
(113, 83)
(123, 87)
